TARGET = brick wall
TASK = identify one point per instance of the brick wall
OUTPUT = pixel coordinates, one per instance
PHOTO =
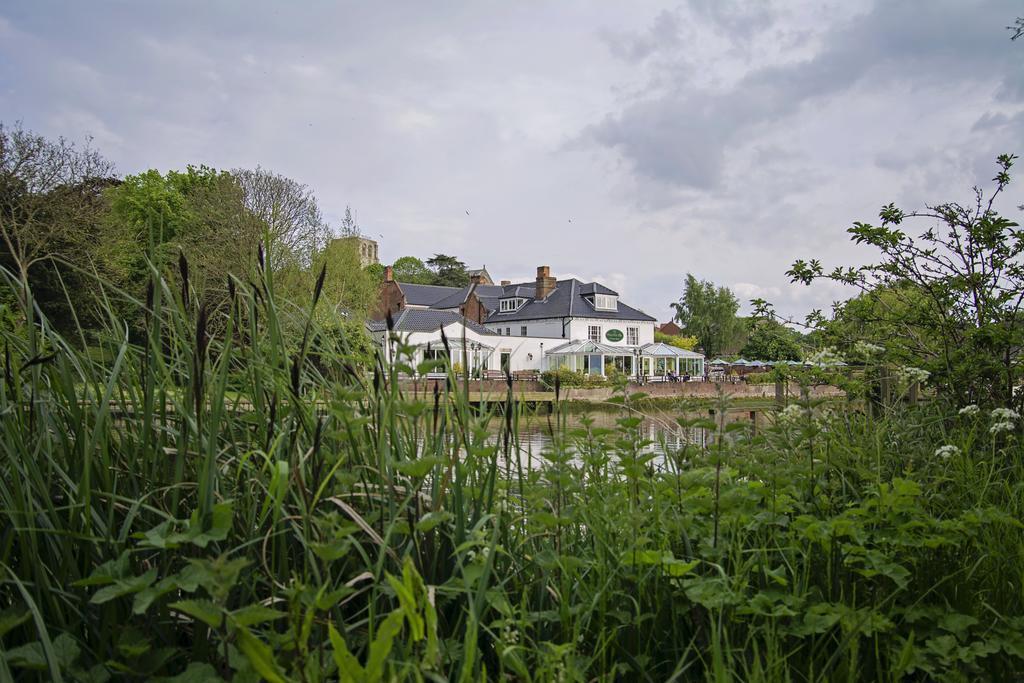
(473, 309)
(390, 298)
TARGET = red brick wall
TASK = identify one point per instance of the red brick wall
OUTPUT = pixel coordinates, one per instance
(390, 298)
(473, 309)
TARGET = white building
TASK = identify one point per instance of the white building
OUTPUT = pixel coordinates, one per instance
(539, 325)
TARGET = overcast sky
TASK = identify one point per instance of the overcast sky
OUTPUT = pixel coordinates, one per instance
(627, 142)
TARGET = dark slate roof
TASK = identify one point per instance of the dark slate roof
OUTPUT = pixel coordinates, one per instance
(458, 297)
(591, 288)
(565, 301)
(425, 320)
(425, 295)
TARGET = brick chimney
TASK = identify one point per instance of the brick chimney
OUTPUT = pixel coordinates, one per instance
(506, 283)
(545, 283)
(389, 274)
(476, 279)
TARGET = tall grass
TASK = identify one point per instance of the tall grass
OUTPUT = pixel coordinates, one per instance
(227, 497)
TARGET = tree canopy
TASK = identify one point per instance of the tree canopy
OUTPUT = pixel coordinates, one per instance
(708, 313)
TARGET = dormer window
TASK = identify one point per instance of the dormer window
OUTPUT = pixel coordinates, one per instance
(606, 302)
(510, 305)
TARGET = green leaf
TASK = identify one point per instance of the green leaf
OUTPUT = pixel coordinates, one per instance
(417, 469)
(13, 617)
(349, 668)
(380, 648)
(132, 643)
(259, 655)
(432, 519)
(256, 614)
(28, 656)
(123, 587)
(203, 610)
(195, 673)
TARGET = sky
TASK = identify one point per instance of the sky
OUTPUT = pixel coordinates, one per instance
(629, 143)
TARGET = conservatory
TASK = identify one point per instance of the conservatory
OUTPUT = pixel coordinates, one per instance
(656, 361)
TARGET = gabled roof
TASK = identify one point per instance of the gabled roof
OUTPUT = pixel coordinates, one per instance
(566, 300)
(425, 320)
(459, 295)
(425, 295)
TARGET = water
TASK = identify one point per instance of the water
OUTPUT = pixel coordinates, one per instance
(658, 427)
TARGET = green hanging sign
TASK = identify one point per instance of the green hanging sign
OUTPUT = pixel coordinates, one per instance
(613, 335)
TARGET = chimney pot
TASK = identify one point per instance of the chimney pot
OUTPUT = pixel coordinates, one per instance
(389, 274)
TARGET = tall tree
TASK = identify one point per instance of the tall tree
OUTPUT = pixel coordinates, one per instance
(412, 270)
(295, 228)
(199, 212)
(708, 313)
(448, 271)
(771, 340)
(51, 202)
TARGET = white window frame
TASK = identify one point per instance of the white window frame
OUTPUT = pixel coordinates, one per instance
(508, 331)
(632, 336)
(606, 302)
(522, 331)
(590, 333)
(509, 305)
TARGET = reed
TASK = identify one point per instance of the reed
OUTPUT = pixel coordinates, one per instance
(230, 497)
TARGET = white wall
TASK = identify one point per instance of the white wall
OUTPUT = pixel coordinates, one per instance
(578, 328)
(526, 353)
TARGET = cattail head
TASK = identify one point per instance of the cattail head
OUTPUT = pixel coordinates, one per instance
(183, 269)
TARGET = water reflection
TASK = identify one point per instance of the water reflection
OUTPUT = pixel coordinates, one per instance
(660, 429)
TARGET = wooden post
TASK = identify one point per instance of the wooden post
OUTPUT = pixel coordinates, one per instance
(780, 393)
(753, 421)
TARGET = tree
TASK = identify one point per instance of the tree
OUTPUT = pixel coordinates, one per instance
(294, 226)
(412, 270)
(51, 202)
(888, 316)
(771, 340)
(448, 271)
(966, 266)
(349, 291)
(685, 343)
(200, 213)
(708, 313)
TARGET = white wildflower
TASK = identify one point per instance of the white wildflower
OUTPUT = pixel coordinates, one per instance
(509, 635)
(910, 375)
(970, 411)
(825, 356)
(998, 427)
(946, 451)
(1004, 415)
(867, 349)
(791, 414)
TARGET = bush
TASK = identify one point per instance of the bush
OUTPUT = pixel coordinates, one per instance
(572, 378)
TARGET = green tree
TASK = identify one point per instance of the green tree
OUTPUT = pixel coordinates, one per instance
(349, 291)
(448, 271)
(892, 317)
(412, 270)
(708, 313)
(685, 343)
(51, 204)
(771, 340)
(966, 265)
(200, 213)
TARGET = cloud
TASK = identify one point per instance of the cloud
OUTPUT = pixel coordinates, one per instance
(680, 137)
